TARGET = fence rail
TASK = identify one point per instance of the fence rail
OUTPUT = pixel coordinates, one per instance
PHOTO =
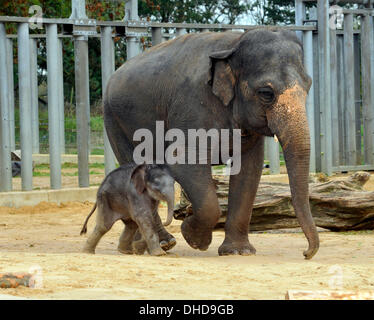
(340, 105)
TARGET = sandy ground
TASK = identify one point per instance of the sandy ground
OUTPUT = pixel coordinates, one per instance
(46, 238)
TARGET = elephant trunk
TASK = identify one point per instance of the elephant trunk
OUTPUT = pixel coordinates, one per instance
(170, 204)
(287, 120)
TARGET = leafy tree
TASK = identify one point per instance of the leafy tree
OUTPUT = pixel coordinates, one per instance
(193, 11)
(266, 12)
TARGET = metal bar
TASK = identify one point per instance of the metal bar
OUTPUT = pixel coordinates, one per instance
(349, 89)
(324, 85)
(82, 108)
(153, 24)
(53, 107)
(34, 95)
(25, 105)
(367, 167)
(5, 158)
(82, 97)
(308, 63)
(156, 36)
(273, 154)
(299, 16)
(340, 97)
(107, 68)
(357, 96)
(78, 9)
(317, 118)
(367, 53)
(27, 20)
(334, 98)
(131, 10)
(131, 13)
(11, 93)
(61, 103)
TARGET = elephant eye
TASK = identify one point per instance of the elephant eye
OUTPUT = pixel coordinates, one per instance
(266, 95)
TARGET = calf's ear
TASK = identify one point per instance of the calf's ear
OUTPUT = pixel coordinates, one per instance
(138, 178)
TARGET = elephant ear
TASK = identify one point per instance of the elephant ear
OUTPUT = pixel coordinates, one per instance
(138, 178)
(221, 77)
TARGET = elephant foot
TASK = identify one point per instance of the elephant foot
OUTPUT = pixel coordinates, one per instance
(236, 248)
(195, 235)
(125, 250)
(157, 252)
(139, 247)
(168, 244)
(88, 250)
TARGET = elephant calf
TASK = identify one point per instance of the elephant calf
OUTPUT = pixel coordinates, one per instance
(132, 193)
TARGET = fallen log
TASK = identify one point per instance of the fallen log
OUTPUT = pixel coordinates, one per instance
(13, 280)
(337, 205)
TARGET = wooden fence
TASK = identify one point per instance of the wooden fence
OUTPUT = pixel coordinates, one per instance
(340, 105)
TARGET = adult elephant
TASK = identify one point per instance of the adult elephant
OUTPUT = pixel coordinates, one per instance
(253, 81)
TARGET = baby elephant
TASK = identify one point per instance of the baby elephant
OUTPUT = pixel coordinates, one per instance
(132, 193)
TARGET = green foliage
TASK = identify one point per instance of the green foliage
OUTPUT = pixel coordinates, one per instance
(272, 12)
(195, 11)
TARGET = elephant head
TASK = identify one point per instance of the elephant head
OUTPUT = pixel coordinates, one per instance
(157, 181)
(263, 80)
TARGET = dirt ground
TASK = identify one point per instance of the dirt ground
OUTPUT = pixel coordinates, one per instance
(46, 238)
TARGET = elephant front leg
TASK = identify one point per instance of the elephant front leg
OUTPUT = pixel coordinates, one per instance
(167, 240)
(242, 193)
(197, 182)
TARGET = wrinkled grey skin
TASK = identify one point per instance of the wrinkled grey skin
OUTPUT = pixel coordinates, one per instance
(132, 193)
(253, 81)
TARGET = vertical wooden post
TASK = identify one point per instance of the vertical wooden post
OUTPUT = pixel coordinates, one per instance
(341, 98)
(367, 71)
(308, 63)
(82, 96)
(131, 13)
(325, 84)
(53, 107)
(60, 65)
(299, 16)
(82, 108)
(357, 96)
(107, 68)
(334, 98)
(34, 95)
(25, 105)
(5, 159)
(273, 154)
(156, 36)
(317, 105)
(350, 113)
(11, 93)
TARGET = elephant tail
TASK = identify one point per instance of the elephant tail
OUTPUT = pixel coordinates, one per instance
(84, 229)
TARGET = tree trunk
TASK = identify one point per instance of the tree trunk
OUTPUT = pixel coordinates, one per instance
(337, 205)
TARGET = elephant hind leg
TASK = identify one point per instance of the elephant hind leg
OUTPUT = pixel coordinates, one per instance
(104, 221)
(127, 237)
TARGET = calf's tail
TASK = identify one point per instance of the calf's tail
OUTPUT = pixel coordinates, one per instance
(84, 229)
